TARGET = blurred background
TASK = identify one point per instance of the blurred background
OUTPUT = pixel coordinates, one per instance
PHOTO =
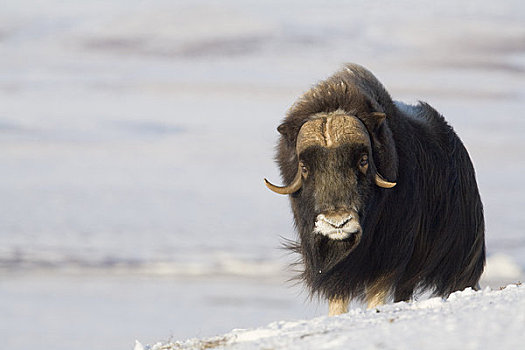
(134, 137)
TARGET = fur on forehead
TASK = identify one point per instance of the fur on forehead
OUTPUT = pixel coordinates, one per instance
(331, 130)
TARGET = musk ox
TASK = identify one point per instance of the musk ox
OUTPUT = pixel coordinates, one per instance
(384, 195)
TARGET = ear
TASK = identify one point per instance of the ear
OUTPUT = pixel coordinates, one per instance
(283, 129)
(289, 130)
(374, 120)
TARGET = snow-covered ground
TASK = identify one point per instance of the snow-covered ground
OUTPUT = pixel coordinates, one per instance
(466, 320)
(134, 136)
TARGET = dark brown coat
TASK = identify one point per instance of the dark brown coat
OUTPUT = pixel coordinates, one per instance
(427, 232)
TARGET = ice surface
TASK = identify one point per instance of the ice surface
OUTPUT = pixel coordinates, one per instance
(134, 137)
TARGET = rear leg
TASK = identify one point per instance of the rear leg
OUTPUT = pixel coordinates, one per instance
(404, 293)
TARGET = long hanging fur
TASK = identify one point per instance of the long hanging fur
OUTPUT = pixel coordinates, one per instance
(426, 232)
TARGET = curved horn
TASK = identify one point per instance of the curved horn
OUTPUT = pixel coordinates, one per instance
(291, 188)
(383, 183)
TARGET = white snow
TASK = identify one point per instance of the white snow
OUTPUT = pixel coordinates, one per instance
(485, 319)
(134, 137)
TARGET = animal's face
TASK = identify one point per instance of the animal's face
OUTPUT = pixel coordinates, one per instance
(335, 175)
(335, 184)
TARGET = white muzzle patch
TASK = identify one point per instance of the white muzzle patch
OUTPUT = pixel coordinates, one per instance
(337, 226)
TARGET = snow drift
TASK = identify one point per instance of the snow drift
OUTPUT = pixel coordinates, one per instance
(486, 319)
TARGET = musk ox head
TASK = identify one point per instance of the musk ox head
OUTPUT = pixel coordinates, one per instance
(335, 173)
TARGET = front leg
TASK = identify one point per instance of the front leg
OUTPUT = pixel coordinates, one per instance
(376, 299)
(378, 292)
(337, 306)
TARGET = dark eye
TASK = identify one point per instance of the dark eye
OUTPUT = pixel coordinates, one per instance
(363, 164)
(304, 169)
(364, 161)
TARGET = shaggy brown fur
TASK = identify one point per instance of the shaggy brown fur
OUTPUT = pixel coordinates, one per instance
(426, 232)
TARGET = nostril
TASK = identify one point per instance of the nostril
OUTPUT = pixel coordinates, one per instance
(344, 222)
(337, 222)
